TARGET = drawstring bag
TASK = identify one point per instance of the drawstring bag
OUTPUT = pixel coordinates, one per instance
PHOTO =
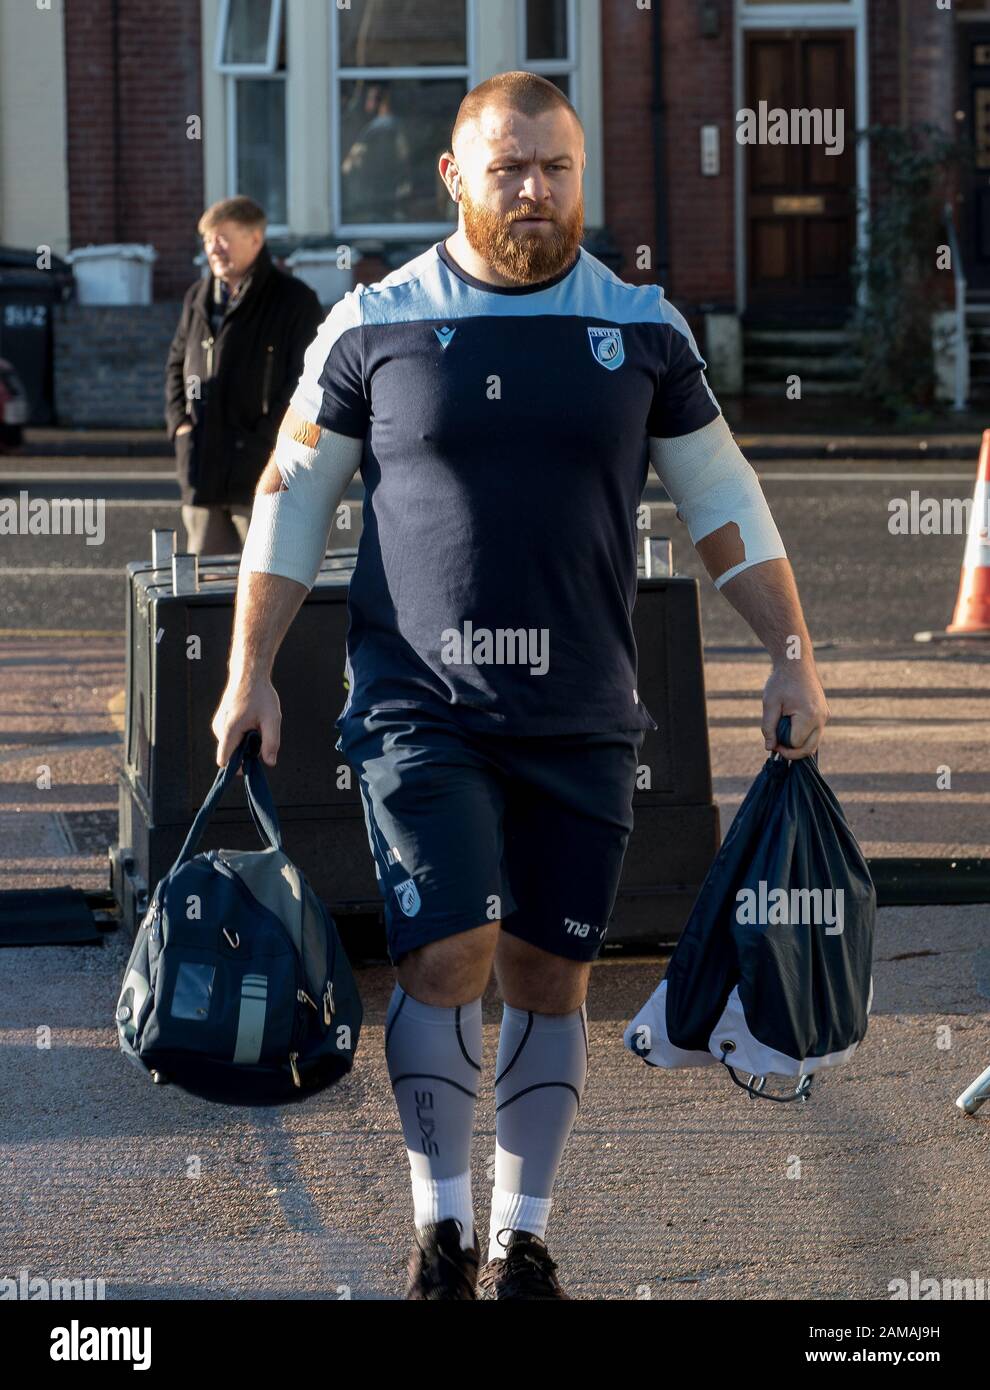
(773, 971)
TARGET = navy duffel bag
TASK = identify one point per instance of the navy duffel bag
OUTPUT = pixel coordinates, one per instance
(238, 988)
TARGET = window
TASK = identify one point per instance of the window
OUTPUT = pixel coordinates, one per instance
(401, 69)
(333, 115)
(248, 35)
(250, 52)
(547, 42)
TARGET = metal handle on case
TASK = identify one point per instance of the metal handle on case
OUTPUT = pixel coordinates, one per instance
(658, 557)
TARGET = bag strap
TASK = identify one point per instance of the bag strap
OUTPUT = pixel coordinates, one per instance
(259, 798)
(755, 1086)
(260, 801)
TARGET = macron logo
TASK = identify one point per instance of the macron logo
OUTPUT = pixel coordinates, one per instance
(446, 336)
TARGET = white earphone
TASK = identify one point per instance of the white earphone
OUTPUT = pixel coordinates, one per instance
(457, 187)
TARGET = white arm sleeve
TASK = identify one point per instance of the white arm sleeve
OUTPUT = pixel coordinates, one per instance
(289, 529)
(714, 487)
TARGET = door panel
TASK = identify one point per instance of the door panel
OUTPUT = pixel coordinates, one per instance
(800, 200)
(973, 101)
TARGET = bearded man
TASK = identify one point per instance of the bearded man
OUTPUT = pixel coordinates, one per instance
(503, 395)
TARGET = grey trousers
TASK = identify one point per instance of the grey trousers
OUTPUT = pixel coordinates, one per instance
(216, 529)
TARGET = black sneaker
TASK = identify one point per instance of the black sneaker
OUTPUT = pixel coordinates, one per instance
(438, 1267)
(526, 1272)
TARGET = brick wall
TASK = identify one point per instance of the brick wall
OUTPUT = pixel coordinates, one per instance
(110, 363)
(925, 73)
(159, 196)
(697, 88)
(160, 192)
(697, 77)
(627, 135)
(929, 80)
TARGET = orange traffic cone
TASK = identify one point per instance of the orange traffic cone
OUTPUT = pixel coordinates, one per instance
(972, 613)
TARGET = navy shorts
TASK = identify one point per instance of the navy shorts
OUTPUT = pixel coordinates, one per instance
(467, 828)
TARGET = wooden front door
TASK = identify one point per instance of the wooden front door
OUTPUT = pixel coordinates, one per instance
(973, 102)
(800, 198)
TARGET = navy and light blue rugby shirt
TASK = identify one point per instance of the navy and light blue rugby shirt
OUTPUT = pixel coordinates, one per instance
(505, 455)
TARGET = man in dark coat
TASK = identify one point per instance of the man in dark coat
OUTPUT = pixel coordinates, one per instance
(234, 362)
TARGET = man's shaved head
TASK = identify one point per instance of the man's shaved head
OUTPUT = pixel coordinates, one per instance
(525, 92)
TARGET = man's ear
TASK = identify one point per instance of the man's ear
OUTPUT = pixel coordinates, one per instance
(448, 167)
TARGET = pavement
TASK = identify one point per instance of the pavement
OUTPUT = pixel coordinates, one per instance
(674, 1186)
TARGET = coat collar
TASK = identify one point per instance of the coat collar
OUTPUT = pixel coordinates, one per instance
(256, 277)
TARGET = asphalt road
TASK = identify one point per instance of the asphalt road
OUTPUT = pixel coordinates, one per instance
(859, 583)
(673, 1187)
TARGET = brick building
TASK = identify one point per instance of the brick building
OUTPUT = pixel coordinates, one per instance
(120, 121)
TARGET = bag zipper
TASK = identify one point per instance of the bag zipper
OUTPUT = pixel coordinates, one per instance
(327, 1000)
(329, 1005)
(298, 1034)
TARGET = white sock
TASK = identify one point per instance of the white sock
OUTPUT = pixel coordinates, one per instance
(434, 1199)
(518, 1212)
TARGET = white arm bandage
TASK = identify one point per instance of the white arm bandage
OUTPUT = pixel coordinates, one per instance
(289, 529)
(718, 496)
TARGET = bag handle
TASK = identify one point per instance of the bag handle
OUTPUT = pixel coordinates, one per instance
(783, 736)
(259, 798)
(755, 1087)
(260, 801)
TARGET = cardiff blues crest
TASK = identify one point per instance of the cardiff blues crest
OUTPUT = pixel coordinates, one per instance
(607, 347)
(408, 896)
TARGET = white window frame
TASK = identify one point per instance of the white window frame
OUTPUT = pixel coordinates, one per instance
(278, 228)
(230, 74)
(312, 165)
(553, 67)
(338, 74)
(265, 69)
